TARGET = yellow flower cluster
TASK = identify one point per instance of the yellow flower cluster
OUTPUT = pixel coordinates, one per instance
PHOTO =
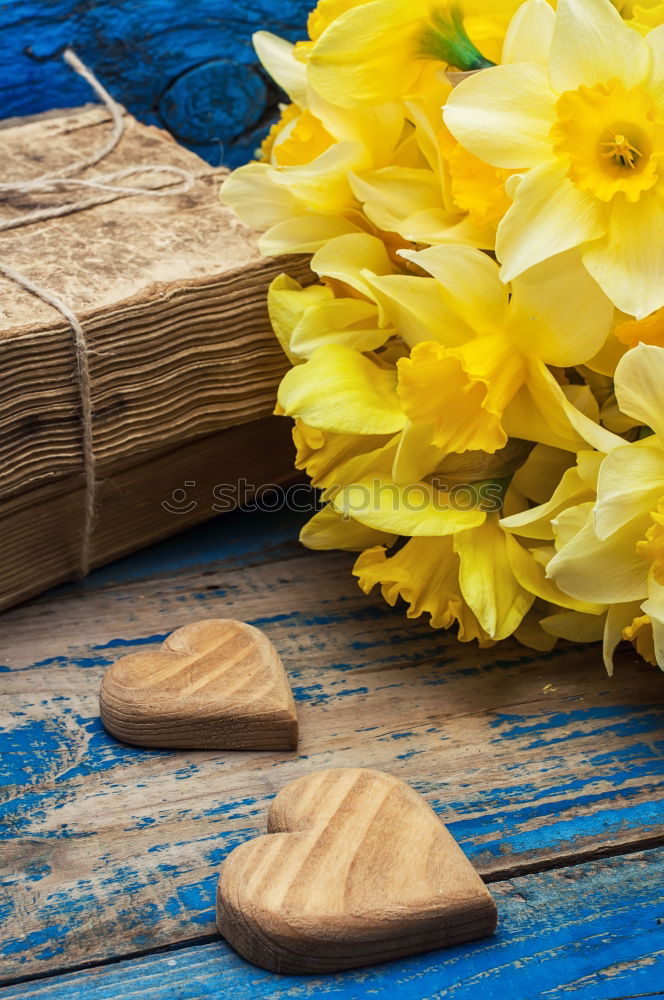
(477, 377)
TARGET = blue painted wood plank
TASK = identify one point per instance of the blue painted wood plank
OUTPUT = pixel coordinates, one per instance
(187, 67)
(112, 849)
(593, 930)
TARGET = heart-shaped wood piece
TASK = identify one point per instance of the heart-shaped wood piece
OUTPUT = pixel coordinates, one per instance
(216, 684)
(356, 869)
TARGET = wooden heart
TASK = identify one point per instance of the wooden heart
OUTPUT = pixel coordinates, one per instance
(216, 684)
(356, 869)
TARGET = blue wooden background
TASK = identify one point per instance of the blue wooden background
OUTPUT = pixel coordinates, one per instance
(186, 65)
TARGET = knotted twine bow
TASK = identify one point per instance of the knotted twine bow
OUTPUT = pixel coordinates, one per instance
(105, 188)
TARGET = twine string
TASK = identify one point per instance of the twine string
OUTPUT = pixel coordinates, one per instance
(106, 190)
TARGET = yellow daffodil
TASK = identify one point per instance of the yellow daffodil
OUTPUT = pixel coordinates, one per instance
(586, 127)
(377, 52)
(443, 194)
(301, 197)
(609, 523)
(425, 574)
(455, 565)
(307, 318)
(458, 565)
(470, 363)
(478, 371)
(387, 166)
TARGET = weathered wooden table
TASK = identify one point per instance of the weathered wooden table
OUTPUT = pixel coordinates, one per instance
(548, 773)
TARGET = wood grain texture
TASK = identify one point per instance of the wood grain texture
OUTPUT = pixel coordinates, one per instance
(189, 67)
(153, 496)
(529, 760)
(215, 684)
(592, 931)
(356, 869)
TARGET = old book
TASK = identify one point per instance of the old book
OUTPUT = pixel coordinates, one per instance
(183, 365)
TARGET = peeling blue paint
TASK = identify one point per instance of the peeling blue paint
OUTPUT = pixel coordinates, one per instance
(143, 640)
(34, 939)
(630, 720)
(29, 750)
(309, 692)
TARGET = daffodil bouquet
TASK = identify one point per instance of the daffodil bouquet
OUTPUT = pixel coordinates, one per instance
(477, 377)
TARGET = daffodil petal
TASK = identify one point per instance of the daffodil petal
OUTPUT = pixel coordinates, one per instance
(327, 529)
(347, 257)
(558, 312)
(530, 34)
(654, 607)
(575, 626)
(375, 462)
(363, 56)
(541, 412)
(322, 185)
(434, 226)
(592, 44)
(326, 456)
(618, 617)
(427, 126)
(416, 457)
(548, 216)
(531, 634)
(276, 55)
(353, 322)
(535, 418)
(425, 573)
(392, 194)
(487, 581)
(461, 392)
(504, 115)
(302, 233)
(570, 522)
(588, 464)
(416, 308)
(414, 509)
(658, 642)
(532, 577)
(536, 522)
(339, 390)
(608, 571)
(655, 42)
(287, 302)
(251, 192)
(469, 283)
(631, 480)
(376, 129)
(585, 427)
(629, 263)
(639, 382)
(541, 472)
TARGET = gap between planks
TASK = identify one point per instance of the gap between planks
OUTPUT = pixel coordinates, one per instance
(521, 870)
(547, 946)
